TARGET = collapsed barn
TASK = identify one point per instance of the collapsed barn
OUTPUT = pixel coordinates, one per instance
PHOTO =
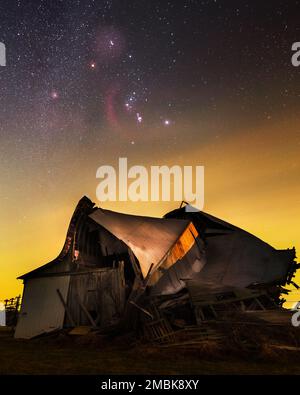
(155, 276)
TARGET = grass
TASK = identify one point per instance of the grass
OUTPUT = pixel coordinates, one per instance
(74, 355)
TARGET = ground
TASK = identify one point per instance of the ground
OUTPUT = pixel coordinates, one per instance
(69, 355)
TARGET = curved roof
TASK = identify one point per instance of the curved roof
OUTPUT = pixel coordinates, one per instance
(152, 240)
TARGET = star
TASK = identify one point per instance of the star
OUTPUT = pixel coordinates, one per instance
(128, 106)
(54, 95)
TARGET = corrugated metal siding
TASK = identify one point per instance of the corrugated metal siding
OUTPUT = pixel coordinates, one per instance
(240, 259)
(42, 310)
(173, 279)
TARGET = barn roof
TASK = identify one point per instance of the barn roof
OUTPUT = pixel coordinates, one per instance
(152, 240)
(156, 242)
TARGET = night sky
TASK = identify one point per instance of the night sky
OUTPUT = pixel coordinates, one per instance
(159, 82)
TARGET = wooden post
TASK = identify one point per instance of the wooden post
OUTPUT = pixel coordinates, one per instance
(259, 303)
(66, 307)
(84, 309)
(141, 308)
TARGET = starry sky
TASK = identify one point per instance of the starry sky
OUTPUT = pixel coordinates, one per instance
(185, 82)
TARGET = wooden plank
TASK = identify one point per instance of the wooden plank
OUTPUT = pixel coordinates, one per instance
(84, 309)
(213, 311)
(283, 347)
(259, 303)
(141, 308)
(135, 265)
(80, 330)
(66, 307)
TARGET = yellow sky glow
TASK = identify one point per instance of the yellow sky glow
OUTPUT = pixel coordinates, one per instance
(251, 180)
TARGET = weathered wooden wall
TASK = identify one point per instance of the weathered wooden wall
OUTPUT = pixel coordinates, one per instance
(101, 292)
